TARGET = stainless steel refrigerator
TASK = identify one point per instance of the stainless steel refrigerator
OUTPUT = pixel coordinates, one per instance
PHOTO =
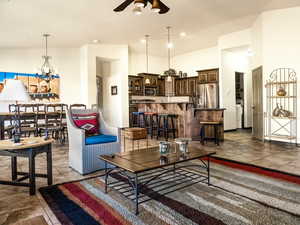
(208, 95)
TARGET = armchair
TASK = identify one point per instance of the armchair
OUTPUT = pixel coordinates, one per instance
(84, 154)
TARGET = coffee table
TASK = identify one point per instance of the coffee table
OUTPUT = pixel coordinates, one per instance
(141, 175)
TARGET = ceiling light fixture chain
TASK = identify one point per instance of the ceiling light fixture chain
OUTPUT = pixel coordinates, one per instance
(147, 52)
(47, 70)
(169, 48)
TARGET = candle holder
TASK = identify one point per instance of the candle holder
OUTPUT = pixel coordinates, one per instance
(183, 144)
(164, 149)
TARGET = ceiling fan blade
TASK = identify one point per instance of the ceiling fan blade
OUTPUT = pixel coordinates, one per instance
(123, 5)
(163, 8)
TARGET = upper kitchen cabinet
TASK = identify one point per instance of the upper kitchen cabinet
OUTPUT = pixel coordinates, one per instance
(149, 79)
(135, 85)
(186, 86)
(192, 85)
(208, 76)
(161, 86)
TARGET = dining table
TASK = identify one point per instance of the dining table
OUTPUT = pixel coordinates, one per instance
(27, 148)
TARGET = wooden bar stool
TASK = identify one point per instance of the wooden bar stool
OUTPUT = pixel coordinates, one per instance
(135, 134)
(151, 119)
(138, 119)
(166, 125)
(214, 120)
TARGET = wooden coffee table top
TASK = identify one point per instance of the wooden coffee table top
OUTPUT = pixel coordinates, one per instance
(148, 159)
(25, 143)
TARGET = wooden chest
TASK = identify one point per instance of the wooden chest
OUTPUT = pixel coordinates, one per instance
(135, 133)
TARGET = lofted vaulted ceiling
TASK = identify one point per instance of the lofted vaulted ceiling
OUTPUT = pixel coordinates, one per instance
(74, 23)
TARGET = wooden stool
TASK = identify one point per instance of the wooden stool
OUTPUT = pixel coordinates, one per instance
(215, 120)
(135, 134)
(138, 119)
(165, 127)
(216, 126)
(151, 122)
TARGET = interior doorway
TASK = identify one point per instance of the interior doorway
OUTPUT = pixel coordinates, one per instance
(257, 108)
(240, 99)
(99, 100)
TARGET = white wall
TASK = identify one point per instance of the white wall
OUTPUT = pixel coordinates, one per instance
(197, 60)
(235, 60)
(256, 44)
(65, 60)
(77, 68)
(110, 70)
(281, 43)
(118, 56)
(231, 49)
(137, 64)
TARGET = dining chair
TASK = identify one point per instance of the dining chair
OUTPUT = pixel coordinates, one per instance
(77, 106)
(53, 122)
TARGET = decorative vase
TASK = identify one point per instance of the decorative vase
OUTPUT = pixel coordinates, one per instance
(281, 92)
(44, 89)
(283, 112)
(276, 111)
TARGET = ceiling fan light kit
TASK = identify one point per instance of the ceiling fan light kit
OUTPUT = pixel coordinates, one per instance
(137, 10)
(157, 6)
(139, 3)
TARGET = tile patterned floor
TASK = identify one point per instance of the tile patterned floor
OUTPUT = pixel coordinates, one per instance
(16, 205)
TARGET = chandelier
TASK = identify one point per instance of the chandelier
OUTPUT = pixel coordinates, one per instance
(47, 71)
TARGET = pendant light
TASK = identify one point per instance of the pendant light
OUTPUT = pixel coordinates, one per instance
(169, 46)
(137, 10)
(46, 70)
(147, 81)
(155, 6)
(139, 3)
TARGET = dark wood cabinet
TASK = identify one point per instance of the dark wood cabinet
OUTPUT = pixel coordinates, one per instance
(161, 86)
(177, 87)
(186, 86)
(208, 76)
(139, 85)
(192, 86)
(135, 85)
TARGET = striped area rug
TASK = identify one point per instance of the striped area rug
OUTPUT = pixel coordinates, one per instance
(237, 197)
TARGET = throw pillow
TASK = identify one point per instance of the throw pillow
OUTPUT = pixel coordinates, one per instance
(88, 122)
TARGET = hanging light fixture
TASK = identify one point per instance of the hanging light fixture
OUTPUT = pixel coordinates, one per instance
(46, 70)
(169, 46)
(155, 6)
(147, 81)
(139, 3)
(137, 10)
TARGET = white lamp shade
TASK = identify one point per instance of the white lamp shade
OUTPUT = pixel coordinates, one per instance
(14, 90)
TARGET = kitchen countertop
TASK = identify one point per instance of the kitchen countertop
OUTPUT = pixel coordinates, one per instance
(163, 102)
(209, 109)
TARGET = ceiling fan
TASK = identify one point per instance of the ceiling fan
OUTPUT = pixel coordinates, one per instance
(157, 5)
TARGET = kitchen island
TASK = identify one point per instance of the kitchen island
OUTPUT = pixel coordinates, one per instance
(188, 116)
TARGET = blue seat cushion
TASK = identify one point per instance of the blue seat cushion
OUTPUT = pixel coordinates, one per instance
(100, 139)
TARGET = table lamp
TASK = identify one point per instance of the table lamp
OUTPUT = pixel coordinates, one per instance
(15, 91)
